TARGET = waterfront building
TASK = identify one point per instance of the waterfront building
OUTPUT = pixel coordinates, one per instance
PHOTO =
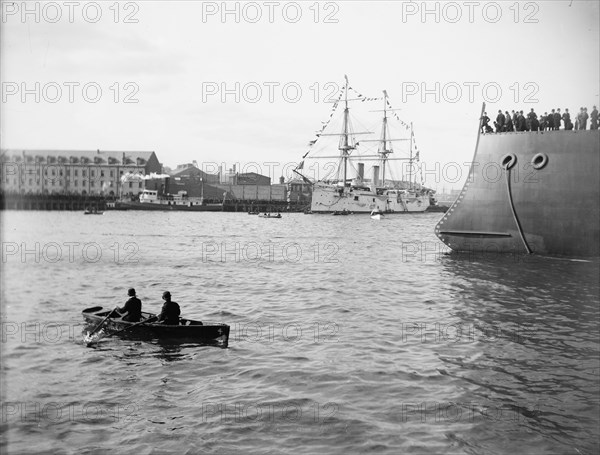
(191, 174)
(251, 178)
(84, 172)
(299, 191)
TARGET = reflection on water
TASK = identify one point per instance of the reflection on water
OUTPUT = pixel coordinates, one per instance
(354, 343)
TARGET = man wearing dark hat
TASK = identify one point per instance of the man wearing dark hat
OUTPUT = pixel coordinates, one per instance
(550, 120)
(521, 122)
(132, 310)
(170, 311)
(533, 121)
(557, 118)
(500, 120)
(485, 128)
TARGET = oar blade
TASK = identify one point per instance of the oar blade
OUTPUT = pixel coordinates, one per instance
(91, 338)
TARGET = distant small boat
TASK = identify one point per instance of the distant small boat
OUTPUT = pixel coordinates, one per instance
(376, 215)
(93, 212)
(341, 212)
(269, 215)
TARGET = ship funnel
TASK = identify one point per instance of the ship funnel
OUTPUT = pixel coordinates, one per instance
(361, 171)
(375, 175)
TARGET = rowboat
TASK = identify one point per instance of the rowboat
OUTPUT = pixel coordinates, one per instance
(188, 329)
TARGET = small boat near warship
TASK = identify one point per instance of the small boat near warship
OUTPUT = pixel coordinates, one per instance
(187, 330)
(347, 189)
(376, 215)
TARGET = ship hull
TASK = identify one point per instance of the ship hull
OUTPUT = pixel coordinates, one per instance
(548, 203)
(331, 198)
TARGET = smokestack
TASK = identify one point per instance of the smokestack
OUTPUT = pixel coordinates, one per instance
(361, 171)
(375, 175)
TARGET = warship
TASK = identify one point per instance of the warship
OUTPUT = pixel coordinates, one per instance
(349, 190)
(529, 192)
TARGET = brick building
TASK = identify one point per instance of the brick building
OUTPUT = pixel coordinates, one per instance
(82, 172)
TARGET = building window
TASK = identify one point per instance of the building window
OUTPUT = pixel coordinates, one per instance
(92, 183)
(112, 173)
(76, 172)
(83, 172)
(101, 173)
(130, 184)
(92, 173)
(68, 172)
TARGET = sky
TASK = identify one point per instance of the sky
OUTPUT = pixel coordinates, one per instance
(248, 83)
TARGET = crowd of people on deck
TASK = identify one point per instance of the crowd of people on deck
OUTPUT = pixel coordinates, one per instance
(517, 121)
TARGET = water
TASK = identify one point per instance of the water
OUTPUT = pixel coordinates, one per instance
(349, 335)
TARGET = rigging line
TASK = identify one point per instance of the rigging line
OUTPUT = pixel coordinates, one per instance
(514, 213)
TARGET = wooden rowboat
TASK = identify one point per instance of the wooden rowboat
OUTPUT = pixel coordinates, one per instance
(188, 329)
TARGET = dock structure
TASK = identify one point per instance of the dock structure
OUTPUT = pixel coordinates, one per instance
(77, 202)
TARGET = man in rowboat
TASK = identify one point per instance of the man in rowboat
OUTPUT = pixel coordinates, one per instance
(132, 310)
(170, 311)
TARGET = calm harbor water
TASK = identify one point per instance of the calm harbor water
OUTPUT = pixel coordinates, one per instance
(349, 335)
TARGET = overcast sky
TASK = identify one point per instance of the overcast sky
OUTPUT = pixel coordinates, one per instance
(177, 58)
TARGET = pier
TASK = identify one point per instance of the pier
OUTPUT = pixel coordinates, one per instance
(75, 202)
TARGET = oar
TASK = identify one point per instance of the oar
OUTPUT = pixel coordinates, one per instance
(133, 325)
(103, 321)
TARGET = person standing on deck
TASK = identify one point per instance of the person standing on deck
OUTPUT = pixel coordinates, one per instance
(521, 122)
(533, 121)
(594, 119)
(500, 120)
(584, 118)
(543, 122)
(170, 311)
(132, 310)
(579, 120)
(484, 123)
(509, 123)
(567, 120)
(557, 117)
